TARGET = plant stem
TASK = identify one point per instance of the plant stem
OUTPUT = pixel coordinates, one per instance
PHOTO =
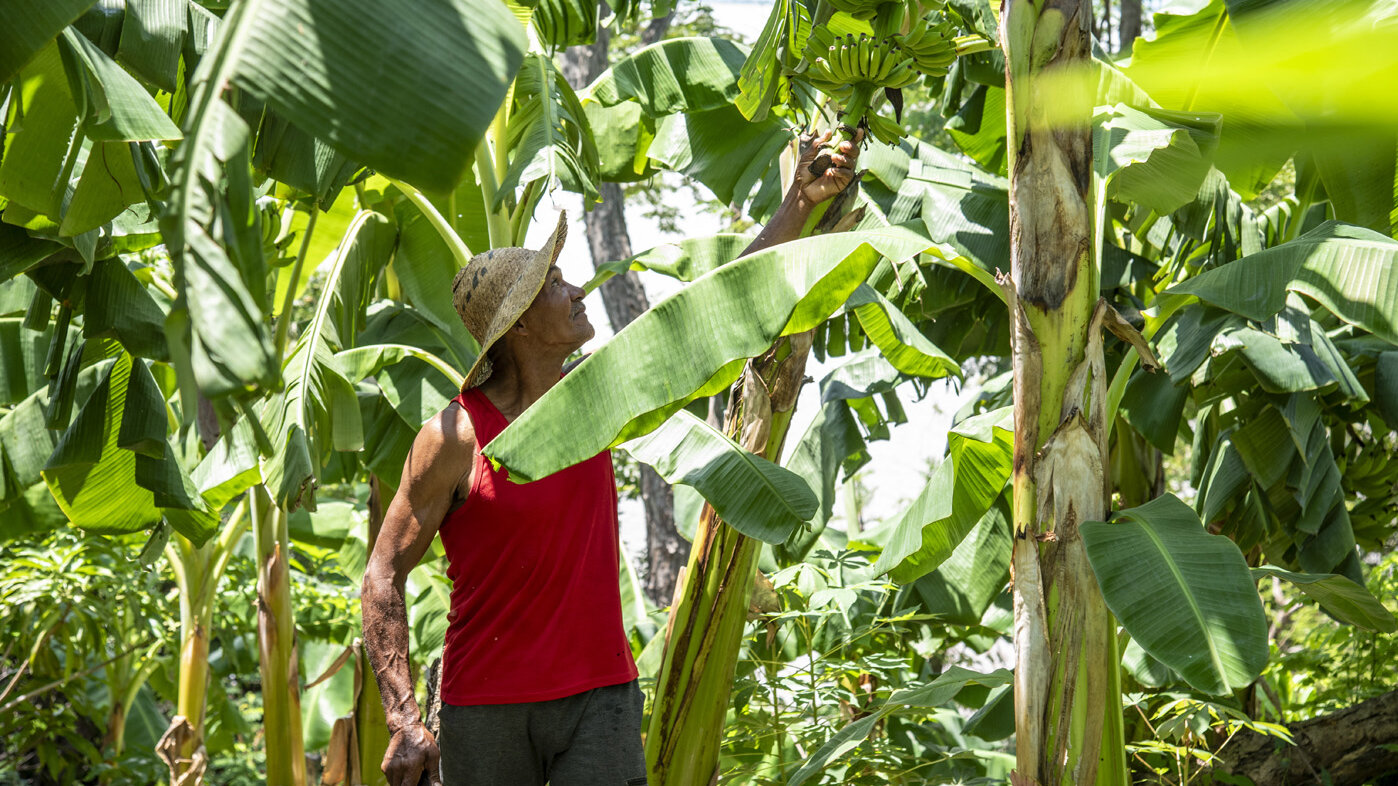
(1063, 635)
(707, 621)
(18, 700)
(276, 644)
(284, 318)
(492, 162)
(455, 244)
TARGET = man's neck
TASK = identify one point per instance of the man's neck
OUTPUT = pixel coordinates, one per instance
(515, 388)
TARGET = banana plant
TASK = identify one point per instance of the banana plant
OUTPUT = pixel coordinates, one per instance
(1182, 216)
(217, 299)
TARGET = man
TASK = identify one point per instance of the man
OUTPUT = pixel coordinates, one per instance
(538, 684)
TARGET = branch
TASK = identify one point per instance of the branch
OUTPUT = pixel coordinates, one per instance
(1353, 746)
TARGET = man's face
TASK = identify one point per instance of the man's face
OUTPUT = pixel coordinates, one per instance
(557, 316)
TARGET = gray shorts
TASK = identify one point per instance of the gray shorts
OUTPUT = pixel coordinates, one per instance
(588, 739)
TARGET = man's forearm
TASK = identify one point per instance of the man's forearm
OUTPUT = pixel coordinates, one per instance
(386, 640)
(786, 223)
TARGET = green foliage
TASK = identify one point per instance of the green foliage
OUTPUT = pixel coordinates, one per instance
(848, 647)
(84, 625)
(1186, 734)
(1318, 666)
(804, 282)
(160, 164)
(750, 493)
(1184, 595)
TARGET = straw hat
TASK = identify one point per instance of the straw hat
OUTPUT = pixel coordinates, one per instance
(496, 287)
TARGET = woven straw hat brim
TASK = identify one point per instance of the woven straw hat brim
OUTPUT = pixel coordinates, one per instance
(516, 297)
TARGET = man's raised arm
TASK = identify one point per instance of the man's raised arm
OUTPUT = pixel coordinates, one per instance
(808, 190)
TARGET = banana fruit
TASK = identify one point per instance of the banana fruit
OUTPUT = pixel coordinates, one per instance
(839, 62)
(932, 46)
(853, 68)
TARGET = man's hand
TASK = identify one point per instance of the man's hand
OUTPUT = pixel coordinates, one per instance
(811, 188)
(411, 752)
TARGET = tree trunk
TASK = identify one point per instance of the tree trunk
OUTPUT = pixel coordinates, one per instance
(624, 299)
(657, 28)
(1352, 746)
(1130, 28)
(196, 614)
(1067, 700)
(198, 571)
(276, 645)
(708, 617)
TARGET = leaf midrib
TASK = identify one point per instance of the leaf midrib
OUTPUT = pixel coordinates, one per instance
(1189, 598)
(315, 335)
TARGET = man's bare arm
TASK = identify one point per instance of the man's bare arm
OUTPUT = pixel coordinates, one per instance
(440, 455)
(808, 190)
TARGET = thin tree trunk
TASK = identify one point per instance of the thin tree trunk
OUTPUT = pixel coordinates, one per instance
(657, 28)
(1105, 30)
(1067, 700)
(624, 299)
(710, 613)
(1352, 746)
(197, 573)
(1130, 28)
(276, 644)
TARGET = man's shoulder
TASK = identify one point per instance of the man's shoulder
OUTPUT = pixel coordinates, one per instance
(449, 431)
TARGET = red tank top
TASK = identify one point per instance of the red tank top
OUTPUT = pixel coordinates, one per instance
(535, 603)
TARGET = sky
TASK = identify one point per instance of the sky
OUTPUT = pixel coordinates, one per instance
(899, 465)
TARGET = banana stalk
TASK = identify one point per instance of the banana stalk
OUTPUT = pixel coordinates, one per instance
(197, 570)
(1067, 696)
(705, 630)
(709, 614)
(276, 644)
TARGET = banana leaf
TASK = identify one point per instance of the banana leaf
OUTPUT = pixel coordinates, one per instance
(319, 70)
(26, 27)
(1184, 595)
(1340, 597)
(1348, 270)
(750, 493)
(152, 40)
(683, 260)
(832, 449)
(1152, 157)
(677, 75)
(40, 154)
(92, 478)
(548, 136)
(318, 406)
(960, 491)
(626, 388)
(961, 589)
(113, 105)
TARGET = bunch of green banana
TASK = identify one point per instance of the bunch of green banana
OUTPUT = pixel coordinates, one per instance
(1370, 472)
(565, 22)
(852, 68)
(931, 45)
(838, 62)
